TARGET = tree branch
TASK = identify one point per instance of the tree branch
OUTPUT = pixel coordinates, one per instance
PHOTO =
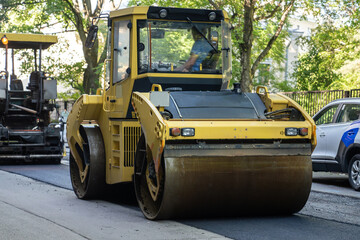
(87, 9)
(98, 8)
(266, 3)
(114, 7)
(273, 38)
(69, 18)
(270, 15)
(78, 20)
(214, 4)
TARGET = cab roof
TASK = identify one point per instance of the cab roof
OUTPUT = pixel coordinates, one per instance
(28, 41)
(152, 12)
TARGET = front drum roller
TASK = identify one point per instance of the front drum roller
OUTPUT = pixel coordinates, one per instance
(93, 157)
(222, 185)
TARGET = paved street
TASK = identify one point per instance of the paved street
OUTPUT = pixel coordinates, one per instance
(48, 209)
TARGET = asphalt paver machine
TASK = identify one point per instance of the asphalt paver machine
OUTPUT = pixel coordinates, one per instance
(167, 121)
(26, 134)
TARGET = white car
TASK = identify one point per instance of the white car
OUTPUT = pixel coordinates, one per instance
(338, 141)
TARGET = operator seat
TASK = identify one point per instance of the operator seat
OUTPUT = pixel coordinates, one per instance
(16, 84)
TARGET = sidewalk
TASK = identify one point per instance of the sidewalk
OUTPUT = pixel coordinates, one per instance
(33, 210)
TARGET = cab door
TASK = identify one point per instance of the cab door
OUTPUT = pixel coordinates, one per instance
(120, 84)
(118, 100)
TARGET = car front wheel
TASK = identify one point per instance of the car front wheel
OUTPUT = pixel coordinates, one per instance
(354, 172)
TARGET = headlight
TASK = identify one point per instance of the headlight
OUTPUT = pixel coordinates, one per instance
(185, 132)
(291, 131)
(212, 16)
(163, 13)
(188, 132)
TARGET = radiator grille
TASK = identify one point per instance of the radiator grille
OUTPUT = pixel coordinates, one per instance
(131, 137)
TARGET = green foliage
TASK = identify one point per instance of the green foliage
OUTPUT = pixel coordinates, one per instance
(70, 95)
(330, 47)
(350, 76)
(312, 71)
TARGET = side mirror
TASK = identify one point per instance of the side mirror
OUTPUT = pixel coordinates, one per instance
(91, 37)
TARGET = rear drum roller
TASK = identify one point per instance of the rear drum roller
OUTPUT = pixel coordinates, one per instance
(93, 150)
(149, 187)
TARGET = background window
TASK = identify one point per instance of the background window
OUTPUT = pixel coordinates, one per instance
(349, 113)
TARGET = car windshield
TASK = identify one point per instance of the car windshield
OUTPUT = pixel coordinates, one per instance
(165, 46)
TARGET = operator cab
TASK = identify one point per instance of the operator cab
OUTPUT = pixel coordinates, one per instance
(179, 49)
(174, 47)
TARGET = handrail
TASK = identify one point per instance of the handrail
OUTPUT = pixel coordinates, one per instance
(99, 91)
(258, 88)
(158, 86)
(104, 86)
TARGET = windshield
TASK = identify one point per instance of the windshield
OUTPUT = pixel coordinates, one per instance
(165, 46)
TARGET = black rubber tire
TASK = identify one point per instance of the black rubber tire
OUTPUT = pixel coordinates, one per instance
(354, 172)
(148, 206)
(94, 184)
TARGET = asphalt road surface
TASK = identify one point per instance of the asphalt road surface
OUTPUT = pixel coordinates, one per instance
(332, 212)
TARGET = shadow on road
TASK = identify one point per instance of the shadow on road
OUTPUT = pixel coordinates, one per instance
(334, 179)
(122, 194)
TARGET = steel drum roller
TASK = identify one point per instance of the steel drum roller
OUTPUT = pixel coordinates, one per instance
(229, 185)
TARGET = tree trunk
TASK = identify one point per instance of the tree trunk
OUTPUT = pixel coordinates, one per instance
(90, 79)
(246, 46)
(90, 76)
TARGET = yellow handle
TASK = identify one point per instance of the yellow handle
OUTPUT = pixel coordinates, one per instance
(99, 91)
(158, 86)
(258, 88)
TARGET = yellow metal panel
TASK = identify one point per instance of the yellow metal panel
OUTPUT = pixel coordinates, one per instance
(152, 124)
(305, 114)
(137, 10)
(131, 134)
(124, 138)
(237, 129)
(226, 16)
(23, 40)
(85, 108)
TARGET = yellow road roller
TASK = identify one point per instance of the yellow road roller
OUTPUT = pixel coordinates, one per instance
(167, 121)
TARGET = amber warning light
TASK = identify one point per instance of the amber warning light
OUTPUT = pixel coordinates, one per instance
(4, 40)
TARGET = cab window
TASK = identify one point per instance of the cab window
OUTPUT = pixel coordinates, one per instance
(121, 51)
(165, 46)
